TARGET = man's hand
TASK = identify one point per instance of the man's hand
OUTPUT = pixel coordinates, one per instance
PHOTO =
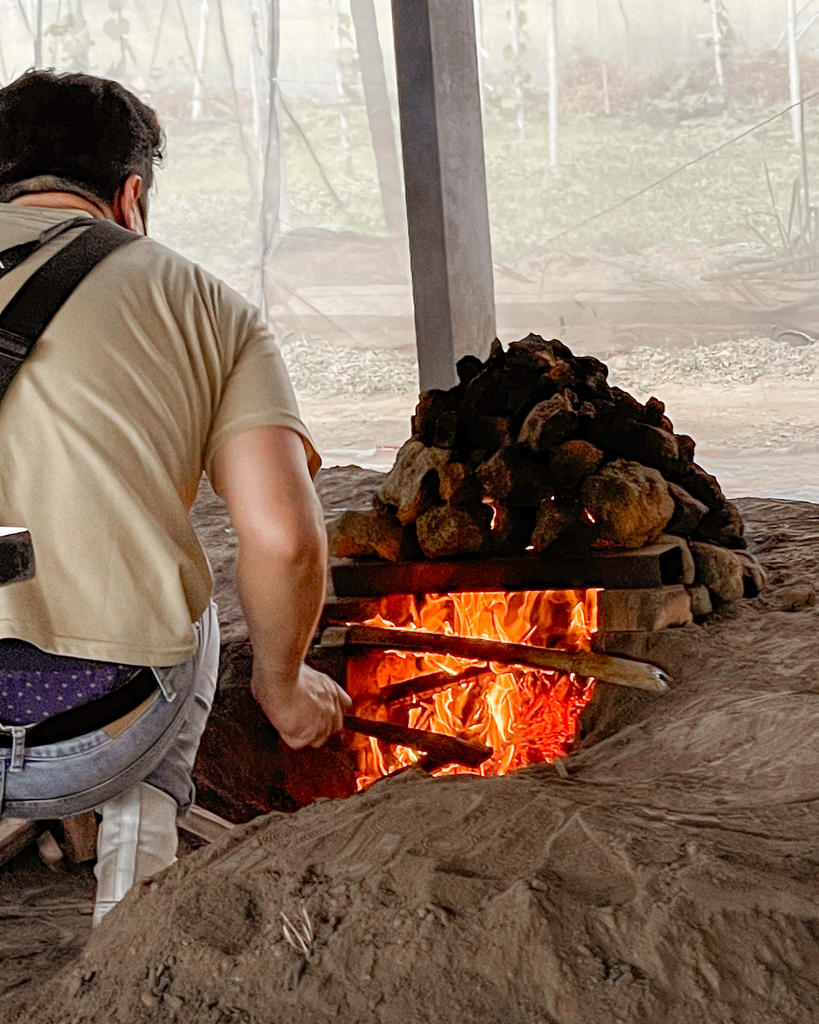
(306, 713)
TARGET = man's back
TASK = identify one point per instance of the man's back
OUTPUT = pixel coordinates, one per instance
(149, 367)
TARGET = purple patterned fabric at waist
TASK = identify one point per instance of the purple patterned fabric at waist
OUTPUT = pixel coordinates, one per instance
(35, 685)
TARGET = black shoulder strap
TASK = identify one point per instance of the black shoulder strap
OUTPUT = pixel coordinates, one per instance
(32, 308)
(13, 257)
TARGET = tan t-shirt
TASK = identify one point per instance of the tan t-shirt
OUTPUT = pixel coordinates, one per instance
(146, 370)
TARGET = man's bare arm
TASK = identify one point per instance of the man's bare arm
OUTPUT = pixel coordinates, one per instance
(262, 476)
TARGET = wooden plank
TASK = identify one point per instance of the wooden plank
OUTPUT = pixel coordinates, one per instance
(80, 837)
(622, 671)
(15, 835)
(656, 566)
(442, 749)
(205, 825)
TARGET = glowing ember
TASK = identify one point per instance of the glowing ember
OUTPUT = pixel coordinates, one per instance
(527, 716)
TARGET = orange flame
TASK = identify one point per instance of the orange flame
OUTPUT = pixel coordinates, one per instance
(526, 716)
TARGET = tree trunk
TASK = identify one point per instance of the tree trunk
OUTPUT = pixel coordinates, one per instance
(379, 114)
(341, 92)
(255, 53)
(514, 29)
(716, 34)
(273, 173)
(201, 56)
(38, 33)
(554, 85)
(794, 75)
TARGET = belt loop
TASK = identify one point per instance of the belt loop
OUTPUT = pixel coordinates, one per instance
(18, 747)
(167, 692)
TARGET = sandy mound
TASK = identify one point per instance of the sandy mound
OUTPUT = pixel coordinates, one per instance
(673, 877)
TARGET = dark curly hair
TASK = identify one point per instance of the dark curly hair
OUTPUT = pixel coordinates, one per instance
(82, 130)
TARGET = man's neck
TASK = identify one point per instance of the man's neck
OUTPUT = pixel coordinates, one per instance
(63, 201)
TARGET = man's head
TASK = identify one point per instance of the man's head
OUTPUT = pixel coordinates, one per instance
(76, 133)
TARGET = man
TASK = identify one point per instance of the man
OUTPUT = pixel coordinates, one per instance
(150, 372)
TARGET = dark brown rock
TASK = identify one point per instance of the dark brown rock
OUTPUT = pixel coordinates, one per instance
(686, 447)
(798, 598)
(571, 462)
(539, 352)
(722, 525)
(445, 434)
(700, 485)
(660, 446)
(411, 486)
(639, 442)
(447, 531)
(458, 484)
(562, 373)
(514, 476)
(655, 412)
(580, 535)
(629, 503)
(701, 604)
(587, 421)
(687, 511)
(488, 433)
(590, 367)
(549, 423)
(374, 533)
(468, 368)
(754, 575)
(553, 519)
(720, 570)
(512, 527)
(431, 406)
(627, 409)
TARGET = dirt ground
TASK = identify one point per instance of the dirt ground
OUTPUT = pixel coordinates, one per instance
(672, 877)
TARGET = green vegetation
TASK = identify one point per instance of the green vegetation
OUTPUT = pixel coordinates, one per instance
(717, 202)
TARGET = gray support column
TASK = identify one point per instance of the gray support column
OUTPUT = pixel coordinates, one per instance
(445, 181)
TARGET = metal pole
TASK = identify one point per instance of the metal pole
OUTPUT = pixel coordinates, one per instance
(38, 33)
(716, 33)
(340, 90)
(794, 74)
(514, 28)
(201, 55)
(273, 175)
(445, 182)
(554, 83)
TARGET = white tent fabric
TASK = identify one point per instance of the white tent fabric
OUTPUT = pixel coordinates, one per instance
(696, 284)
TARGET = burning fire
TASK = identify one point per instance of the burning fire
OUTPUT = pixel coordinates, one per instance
(526, 716)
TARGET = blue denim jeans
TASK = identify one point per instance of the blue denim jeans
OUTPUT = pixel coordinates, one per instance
(157, 744)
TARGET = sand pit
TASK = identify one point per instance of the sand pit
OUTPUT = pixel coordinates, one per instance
(673, 877)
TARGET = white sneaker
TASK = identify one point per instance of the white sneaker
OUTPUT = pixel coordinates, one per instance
(136, 839)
